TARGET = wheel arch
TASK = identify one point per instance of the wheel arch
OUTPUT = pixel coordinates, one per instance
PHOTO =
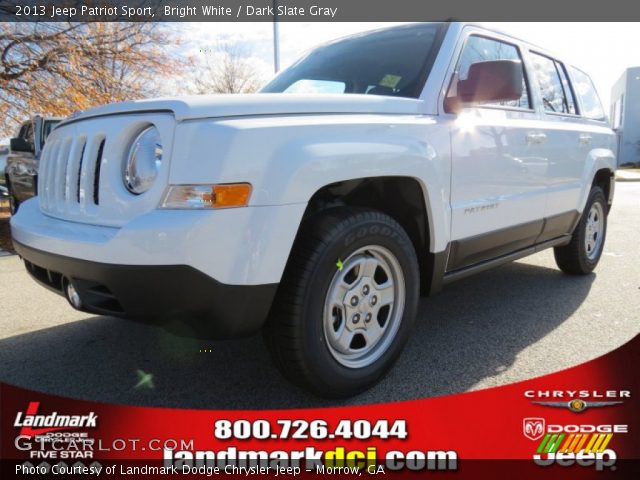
(403, 198)
(605, 179)
(599, 169)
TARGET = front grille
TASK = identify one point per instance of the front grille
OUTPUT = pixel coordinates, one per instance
(96, 174)
(79, 173)
(80, 177)
(48, 277)
(82, 165)
(69, 168)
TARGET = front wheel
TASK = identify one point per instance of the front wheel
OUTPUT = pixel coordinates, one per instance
(13, 201)
(347, 301)
(13, 204)
(582, 254)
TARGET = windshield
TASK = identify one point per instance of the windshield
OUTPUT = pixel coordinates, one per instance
(393, 62)
(48, 126)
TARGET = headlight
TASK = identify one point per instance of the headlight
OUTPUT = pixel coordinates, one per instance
(143, 161)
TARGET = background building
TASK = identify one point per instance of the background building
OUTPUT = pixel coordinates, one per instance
(625, 116)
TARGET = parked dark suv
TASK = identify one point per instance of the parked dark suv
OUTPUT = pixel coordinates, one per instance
(21, 171)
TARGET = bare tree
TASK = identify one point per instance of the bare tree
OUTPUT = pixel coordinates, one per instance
(59, 68)
(225, 69)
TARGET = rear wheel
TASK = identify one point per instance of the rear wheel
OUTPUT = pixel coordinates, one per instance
(347, 302)
(582, 254)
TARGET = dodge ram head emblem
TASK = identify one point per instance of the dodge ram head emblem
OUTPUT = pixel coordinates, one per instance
(533, 428)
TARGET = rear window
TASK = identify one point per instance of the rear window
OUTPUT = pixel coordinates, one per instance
(392, 62)
(589, 99)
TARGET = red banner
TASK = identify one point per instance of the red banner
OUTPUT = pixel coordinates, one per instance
(578, 423)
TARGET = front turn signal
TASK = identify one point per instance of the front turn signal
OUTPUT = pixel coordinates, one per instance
(231, 195)
(195, 197)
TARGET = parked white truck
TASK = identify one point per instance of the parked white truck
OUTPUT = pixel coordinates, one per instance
(408, 158)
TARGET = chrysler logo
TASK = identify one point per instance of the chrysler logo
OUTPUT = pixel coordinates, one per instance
(577, 405)
(533, 428)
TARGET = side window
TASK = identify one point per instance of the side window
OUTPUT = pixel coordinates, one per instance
(23, 130)
(46, 129)
(480, 49)
(591, 105)
(29, 134)
(554, 85)
(568, 92)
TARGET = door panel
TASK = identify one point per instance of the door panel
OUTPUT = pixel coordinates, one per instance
(565, 138)
(558, 225)
(498, 183)
(486, 246)
(22, 173)
(566, 164)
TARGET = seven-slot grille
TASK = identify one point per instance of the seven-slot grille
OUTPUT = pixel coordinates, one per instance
(69, 174)
(82, 165)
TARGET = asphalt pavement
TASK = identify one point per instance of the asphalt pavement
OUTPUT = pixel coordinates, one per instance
(513, 323)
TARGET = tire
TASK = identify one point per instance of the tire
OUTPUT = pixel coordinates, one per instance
(14, 204)
(322, 343)
(582, 254)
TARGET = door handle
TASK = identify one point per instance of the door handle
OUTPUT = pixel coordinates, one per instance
(585, 139)
(536, 138)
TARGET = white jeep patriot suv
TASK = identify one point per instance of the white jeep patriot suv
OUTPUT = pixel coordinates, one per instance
(374, 169)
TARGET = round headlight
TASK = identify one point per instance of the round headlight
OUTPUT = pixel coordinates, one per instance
(143, 161)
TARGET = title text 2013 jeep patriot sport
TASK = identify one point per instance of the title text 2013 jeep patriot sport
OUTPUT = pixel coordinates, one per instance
(320, 216)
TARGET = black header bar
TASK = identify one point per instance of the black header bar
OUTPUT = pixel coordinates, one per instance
(317, 10)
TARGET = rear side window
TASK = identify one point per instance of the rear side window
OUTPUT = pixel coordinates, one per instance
(481, 49)
(568, 92)
(554, 85)
(591, 105)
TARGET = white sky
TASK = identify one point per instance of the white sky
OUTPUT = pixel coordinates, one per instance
(603, 50)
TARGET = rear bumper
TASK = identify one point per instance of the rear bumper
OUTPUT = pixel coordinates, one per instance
(155, 292)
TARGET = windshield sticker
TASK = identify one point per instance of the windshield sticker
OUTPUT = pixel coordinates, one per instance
(390, 81)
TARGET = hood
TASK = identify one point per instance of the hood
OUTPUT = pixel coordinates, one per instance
(212, 106)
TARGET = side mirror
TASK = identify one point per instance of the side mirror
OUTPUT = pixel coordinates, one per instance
(20, 145)
(490, 81)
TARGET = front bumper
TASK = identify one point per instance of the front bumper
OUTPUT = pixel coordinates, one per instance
(220, 268)
(235, 246)
(155, 292)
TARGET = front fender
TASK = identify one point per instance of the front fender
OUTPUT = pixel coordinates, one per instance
(288, 159)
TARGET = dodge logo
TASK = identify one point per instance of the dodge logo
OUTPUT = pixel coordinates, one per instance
(533, 428)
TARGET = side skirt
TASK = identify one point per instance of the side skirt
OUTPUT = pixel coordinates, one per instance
(488, 264)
